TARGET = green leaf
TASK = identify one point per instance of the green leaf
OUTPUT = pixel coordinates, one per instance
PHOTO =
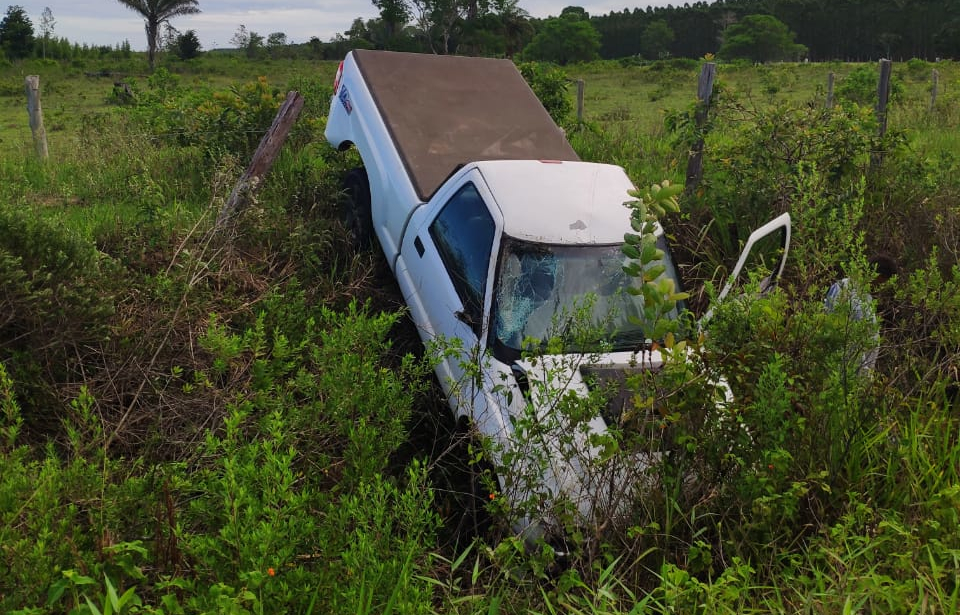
(56, 591)
(651, 274)
(93, 608)
(78, 579)
(668, 190)
(170, 604)
(650, 253)
(128, 596)
(111, 594)
(650, 296)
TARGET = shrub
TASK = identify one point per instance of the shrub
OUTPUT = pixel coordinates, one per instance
(757, 170)
(860, 86)
(219, 122)
(298, 490)
(917, 69)
(549, 83)
(676, 64)
(55, 302)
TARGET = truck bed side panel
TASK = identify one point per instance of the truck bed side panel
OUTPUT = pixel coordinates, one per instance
(354, 118)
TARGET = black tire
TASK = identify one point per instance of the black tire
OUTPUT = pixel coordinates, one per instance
(355, 204)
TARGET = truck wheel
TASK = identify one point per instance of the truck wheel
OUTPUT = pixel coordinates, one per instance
(356, 206)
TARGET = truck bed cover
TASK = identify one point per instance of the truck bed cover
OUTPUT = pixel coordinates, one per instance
(444, 111)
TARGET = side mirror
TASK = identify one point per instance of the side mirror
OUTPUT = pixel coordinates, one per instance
(470, 318)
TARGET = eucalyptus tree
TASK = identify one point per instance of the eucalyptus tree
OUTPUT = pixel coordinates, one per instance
(47, 23)
(156, 13)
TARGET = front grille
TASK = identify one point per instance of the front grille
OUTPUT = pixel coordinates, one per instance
(628, 407)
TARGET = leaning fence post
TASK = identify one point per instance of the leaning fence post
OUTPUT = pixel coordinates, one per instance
(935, 83)
(830, 79)
(32, 86)
(704, 92)
(262, 159)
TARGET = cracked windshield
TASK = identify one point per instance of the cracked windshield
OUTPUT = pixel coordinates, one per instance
(541, 286)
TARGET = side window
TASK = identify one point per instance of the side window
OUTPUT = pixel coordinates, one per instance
(463, 233)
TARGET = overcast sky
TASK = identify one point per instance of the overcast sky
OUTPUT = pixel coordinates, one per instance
(107, 22)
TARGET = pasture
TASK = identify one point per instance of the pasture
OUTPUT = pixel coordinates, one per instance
(244, 422)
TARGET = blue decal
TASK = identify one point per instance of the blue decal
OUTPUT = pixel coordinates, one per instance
(345, 99)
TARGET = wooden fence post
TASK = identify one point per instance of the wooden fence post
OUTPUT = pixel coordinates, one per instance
(830, 79)
(935, 83)
(262, 159)
(704, 91)
(580, 101)
(32, 86)
(883, 96)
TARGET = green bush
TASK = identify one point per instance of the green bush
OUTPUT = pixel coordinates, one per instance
(549, 83)
(55, 301)
(759, 167)
(301, 460)
(294, 494)
(675, 64)
(860, 86)
(918, 70)
(222, 122)
(64, 510)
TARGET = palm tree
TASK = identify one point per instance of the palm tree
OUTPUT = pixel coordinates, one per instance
(515, 26)
(155, 14)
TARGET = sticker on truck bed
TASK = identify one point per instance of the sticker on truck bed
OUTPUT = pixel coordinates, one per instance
(345, 99)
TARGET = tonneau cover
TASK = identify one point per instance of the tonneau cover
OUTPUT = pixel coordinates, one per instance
(445, 111)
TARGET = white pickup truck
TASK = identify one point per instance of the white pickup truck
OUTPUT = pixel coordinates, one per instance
(495, 231)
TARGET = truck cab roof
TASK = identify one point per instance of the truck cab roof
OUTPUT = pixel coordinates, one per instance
(560, 201)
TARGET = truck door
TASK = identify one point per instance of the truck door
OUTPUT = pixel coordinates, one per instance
(767, 249)
(443, 272)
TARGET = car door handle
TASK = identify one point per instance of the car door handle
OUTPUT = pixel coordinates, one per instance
(418, 245)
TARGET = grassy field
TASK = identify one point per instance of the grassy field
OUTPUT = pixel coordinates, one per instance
(194, 421)
(635, 100)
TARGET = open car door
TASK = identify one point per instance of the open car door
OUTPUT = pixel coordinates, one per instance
(766, 247)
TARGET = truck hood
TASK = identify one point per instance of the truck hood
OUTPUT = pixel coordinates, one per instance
(560, 201)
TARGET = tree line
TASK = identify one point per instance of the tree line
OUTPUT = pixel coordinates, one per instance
(757, 30)
(20, 39)
(849, 30)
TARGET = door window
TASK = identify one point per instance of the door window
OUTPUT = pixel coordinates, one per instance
(463, 232)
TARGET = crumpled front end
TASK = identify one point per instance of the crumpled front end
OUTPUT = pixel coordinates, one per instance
(562, 463)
